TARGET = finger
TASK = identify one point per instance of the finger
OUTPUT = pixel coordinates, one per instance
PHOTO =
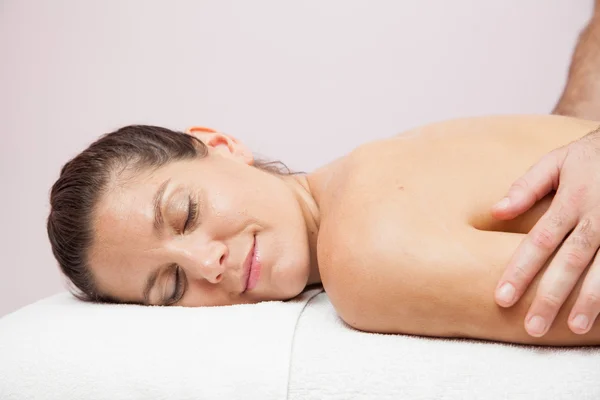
(537, 182)
(587, 307)
(562, 275)
(534, 250)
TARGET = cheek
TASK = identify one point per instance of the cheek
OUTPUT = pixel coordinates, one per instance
(226, 209)
(236, 193)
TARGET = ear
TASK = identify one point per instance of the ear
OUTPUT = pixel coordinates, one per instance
(225, 145)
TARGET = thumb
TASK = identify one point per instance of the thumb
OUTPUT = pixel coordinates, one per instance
(537, 182)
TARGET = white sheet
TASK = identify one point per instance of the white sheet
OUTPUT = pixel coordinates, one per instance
(331, 361)
(61, 348)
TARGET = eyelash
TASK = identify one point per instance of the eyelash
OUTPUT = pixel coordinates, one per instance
(179, 281)
(192, 214)
(179, 289)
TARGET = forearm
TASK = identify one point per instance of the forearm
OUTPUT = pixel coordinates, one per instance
(581, 95)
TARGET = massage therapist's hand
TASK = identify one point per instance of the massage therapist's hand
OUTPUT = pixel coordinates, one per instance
(571, 225)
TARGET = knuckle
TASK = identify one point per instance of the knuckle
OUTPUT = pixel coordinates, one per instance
(592, 299)
(586, 227)
(519, 274)
(575, 261)
(543, 239)
(583, 235)
(520, 184)
(556, 220)
(550, 301)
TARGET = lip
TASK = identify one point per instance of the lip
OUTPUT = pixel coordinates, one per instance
(251, 268)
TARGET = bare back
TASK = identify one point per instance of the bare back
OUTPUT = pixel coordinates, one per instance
(421, 201)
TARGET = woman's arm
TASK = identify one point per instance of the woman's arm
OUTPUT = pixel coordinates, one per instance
(414, 283)
(491, 252)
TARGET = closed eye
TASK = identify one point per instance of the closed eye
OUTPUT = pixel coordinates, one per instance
(192, 214)
(179, 278)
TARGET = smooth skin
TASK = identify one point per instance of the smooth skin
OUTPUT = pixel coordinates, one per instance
(407, 243)
(399, 231)
(570, 229)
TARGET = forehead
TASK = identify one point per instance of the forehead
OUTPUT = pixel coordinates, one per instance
(127, 200)
(123, 231)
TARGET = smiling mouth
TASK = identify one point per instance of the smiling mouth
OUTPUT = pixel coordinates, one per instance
(248, 264)
(252, 267)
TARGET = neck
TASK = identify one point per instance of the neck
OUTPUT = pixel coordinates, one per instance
(312, 217)
(311, 193)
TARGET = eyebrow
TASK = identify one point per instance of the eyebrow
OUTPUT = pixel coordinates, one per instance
(157, 201)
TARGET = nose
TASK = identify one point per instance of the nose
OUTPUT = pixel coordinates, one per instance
(208, 261)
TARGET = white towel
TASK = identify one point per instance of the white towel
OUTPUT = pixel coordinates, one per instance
(61, 348)
(333, 362)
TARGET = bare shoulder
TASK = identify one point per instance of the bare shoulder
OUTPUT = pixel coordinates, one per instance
(396, 207)
(370, 215)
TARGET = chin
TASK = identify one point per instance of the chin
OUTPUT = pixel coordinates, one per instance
(293, 282)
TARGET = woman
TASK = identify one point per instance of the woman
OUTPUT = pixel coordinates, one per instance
(150, 216)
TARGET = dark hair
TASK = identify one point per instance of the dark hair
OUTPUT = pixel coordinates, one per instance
(85, 178)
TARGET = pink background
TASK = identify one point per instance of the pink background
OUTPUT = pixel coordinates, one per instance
(303, 82)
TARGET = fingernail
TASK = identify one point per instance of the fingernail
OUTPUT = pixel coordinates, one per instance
(502, 204)
(506, 293)
(536, 325)
(581, 322)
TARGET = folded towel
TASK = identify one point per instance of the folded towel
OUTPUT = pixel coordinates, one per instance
(61, 348)
(331, 361)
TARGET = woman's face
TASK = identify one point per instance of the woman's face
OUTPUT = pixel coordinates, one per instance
(202, 232)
